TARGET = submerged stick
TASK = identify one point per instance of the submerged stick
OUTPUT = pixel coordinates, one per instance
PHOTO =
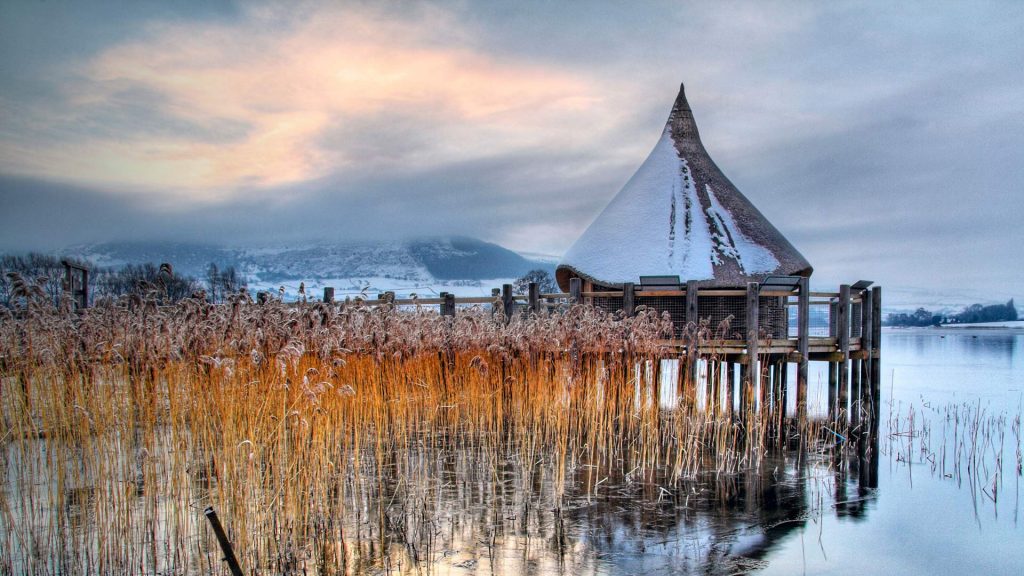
(222, 538)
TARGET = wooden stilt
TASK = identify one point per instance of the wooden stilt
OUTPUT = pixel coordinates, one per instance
(743, 386)
(876, 354)
(802, 347)
(730, 390)
(833, 390)
(843, 340)
(751, 381)
(784, 386)
(867, 345)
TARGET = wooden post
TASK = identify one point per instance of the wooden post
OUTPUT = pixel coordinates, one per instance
(575, 291)
(753, 333)
(843, 339)
(681, 374)
(691, 302)
(448, 304)
(225, 544)
(803, 334)
(628, 298)
(693, 357)
(507, 301)
(743, 392)
(876, 351)
(85, 287)
(730, 382)
(533, 297)
(76, 284)
(866, 334)
(833, 389)
(856, 377)
(328, 294)
(784, 387)
(711, 401)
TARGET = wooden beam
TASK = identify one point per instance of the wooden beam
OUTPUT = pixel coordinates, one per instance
(575, 291)
(533, 297)
(660, 293)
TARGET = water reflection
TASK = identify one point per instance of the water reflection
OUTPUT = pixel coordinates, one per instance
(949, 365)
(468, 512)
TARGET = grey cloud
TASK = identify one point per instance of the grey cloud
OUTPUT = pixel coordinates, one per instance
(884, 141)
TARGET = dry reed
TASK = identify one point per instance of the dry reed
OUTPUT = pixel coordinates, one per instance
(300, 423)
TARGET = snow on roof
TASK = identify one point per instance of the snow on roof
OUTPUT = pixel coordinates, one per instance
(679, 215)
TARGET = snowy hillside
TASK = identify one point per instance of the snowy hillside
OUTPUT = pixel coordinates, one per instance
(465, 266)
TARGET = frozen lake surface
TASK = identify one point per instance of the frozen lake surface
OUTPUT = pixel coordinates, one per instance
(922, 520)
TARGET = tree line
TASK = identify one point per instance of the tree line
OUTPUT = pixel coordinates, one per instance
(131, 279)
(971, 314)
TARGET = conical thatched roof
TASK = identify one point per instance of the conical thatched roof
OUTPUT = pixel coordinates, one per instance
(679, 215)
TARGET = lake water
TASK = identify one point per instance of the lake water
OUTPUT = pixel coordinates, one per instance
(938, 493)
(920, 521)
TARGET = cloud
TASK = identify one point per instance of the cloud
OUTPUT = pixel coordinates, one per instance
(883, 143)
(205, 111)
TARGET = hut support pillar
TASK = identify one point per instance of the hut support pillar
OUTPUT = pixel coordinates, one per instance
(730, 390)
(843, 339)
(867, 308)
(802, 346)
(833, 389)
(752, 375)
(692, 358)
(876, 351)
(628, 298)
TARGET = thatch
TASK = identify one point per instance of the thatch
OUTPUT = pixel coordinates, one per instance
(679, 215)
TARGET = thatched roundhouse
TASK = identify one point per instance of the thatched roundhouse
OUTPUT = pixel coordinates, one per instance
(680, 216)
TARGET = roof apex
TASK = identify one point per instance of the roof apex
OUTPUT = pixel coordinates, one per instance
(681, 104)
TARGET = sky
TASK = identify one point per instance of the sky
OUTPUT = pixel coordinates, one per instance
(884, 139)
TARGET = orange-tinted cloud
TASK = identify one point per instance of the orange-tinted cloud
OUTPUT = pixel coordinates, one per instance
(277, 99)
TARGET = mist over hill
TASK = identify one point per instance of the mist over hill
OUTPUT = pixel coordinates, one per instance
(423, 261)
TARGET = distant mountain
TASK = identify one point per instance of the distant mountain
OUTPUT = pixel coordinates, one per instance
(421, 261)
(462, 258)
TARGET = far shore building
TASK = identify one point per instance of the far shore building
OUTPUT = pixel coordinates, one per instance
(680, 219)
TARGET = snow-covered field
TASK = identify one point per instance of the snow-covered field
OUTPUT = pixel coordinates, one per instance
(371, 287)
(942, 300)
(1019, 324)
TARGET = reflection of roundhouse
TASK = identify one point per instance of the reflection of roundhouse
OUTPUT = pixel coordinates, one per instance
(680, 218)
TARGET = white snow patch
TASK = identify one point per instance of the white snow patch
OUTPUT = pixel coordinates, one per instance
(635, 234)
(730, 242)
(1018, 324)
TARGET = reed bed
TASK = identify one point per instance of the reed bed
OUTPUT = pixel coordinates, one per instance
(324, 435)
(969, 443)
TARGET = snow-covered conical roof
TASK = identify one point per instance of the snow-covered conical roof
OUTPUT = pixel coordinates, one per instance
(679, 215)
